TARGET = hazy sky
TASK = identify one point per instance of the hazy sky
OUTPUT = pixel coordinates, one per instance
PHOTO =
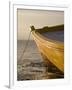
(27, 18)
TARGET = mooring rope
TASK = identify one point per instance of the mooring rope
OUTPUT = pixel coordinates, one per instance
(25, 46)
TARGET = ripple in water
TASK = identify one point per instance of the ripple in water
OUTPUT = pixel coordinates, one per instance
(32, 67)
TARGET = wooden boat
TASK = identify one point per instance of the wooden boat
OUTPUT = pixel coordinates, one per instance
(52, 45)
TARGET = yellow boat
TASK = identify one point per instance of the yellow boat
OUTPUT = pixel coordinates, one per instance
(51, 46)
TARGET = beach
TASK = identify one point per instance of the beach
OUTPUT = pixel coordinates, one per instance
(30, 64)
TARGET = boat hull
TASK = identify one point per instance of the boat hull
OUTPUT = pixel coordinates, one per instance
(51, 51)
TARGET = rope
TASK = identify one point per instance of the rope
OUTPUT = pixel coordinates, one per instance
(25, 46)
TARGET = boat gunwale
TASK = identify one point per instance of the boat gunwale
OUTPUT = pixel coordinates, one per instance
(51, 28)
(49, 42)
(53, 43)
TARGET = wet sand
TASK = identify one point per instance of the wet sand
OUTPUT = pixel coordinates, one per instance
(30, 65)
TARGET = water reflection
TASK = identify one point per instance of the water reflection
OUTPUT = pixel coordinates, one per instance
(32, 66)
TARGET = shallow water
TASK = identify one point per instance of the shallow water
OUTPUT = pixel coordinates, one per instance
(30, 65)
(56, 35)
